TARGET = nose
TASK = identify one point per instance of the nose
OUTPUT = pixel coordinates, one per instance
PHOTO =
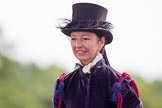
(78, 43)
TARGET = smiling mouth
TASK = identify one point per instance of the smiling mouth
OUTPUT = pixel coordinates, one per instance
(81, 53)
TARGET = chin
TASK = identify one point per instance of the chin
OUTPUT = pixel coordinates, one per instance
(82, 59)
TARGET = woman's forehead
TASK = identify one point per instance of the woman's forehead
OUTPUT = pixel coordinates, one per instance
(82, 33)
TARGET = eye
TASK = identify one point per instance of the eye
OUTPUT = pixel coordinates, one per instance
(85, 38)
(73, 38)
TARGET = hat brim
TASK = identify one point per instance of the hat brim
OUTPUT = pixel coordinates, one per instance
(98, 31)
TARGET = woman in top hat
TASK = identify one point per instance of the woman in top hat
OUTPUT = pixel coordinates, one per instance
(93, 83)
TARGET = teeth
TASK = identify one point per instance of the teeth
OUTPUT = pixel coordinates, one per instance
(80, 51)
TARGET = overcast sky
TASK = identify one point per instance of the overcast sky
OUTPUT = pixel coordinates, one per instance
(136, 46)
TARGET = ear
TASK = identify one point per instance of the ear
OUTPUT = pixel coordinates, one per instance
(102, 41)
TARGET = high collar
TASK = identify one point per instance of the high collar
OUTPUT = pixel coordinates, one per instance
(87, 68)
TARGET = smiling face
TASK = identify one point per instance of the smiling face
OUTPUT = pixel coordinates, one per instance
(86, 45)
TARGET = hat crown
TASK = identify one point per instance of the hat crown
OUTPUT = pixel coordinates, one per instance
(83, 11)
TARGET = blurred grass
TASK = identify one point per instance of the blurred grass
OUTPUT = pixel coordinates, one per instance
(26, 85)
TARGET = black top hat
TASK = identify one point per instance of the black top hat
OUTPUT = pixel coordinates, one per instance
(89, 17)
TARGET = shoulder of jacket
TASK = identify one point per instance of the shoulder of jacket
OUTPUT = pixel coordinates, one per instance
(67, 75)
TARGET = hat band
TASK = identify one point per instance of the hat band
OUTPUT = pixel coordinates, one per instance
(86, 23)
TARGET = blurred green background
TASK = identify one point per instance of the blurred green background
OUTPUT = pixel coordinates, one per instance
(31, 86)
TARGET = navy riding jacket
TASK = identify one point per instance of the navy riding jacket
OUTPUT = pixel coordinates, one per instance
(95, 90)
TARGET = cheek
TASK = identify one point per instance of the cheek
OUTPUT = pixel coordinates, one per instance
(73, 48)
(94, 49)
